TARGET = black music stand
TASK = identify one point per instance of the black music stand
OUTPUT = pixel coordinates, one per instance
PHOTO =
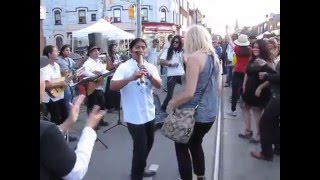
(85, 83)
(119, 123)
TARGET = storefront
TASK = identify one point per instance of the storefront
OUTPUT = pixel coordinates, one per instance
(152, 30)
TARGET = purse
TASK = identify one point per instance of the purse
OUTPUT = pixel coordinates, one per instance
(179, 124)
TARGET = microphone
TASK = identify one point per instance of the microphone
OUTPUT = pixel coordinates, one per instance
(140, 62)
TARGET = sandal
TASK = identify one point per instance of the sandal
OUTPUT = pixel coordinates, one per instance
(247, 135)
(259, 155)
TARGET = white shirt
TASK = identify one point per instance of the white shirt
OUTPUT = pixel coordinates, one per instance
(176, 58)
(83, 153)
(152, 55)
(136, 98)
(230, 52)
(166, 45)
(51, 72)
(92, 65)
(277, 60)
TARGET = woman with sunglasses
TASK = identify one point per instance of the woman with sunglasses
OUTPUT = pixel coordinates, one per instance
(173, 60)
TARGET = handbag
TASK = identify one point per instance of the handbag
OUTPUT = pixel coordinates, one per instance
(179, 124)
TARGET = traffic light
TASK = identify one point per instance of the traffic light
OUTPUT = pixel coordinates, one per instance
(131, 12)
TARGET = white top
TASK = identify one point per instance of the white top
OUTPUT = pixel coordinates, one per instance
(136, 98)
(92, 65)
(277, 60)
(152, 55)
(51, 72)
(83, 153)
(166, 45)
(230, 52)
(176, 58)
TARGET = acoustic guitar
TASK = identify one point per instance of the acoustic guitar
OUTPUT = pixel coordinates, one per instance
(55, 92)
(94, 82)
(91, 83)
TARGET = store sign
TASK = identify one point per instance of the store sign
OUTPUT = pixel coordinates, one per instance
(42, 12)
(158, 28)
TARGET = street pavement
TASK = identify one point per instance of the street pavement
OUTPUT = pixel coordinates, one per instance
(114, 163)
(237, 163)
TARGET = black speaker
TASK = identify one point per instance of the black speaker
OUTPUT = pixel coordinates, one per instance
(96, 39)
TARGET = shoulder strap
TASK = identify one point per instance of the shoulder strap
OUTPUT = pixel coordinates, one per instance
(205, 88)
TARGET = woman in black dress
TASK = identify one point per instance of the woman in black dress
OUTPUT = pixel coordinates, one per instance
(112, 97)
(256, 93)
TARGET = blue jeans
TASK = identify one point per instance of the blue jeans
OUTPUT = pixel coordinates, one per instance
(229, 74)
(68, 97)
(164, 77)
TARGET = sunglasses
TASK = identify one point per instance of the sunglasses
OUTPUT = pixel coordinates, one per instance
(176, 42)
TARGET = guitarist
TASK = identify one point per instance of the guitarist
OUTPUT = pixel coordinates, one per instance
(67, 67)
(55, 105)
(93, 67)
(112, 98)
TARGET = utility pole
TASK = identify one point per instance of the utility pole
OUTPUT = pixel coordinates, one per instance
(139, 25)
(104, 9)
(41, 29)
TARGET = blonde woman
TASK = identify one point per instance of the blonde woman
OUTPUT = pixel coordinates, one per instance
(202, 67)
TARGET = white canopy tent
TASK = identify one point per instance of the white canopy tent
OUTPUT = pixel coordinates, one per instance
(107, 30)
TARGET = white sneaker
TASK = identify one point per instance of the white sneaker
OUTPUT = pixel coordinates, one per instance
(232, 113)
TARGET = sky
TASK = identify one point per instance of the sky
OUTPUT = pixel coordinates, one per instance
(248, 12)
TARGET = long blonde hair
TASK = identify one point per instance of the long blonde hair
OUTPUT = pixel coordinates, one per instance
(198, 39)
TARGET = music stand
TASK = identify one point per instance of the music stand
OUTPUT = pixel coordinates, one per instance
(85, 83)
(119, 123)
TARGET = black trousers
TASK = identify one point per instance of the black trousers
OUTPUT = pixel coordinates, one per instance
(269, 127)
(112, 98)
(237, 81)
(143, 137)
(195, 147)
(58, 111)
(171, 83)
(96, 98)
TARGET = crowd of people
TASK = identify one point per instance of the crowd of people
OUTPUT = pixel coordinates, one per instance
(252, 67)
(194, 61)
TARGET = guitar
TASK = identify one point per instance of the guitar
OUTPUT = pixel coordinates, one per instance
(55, 92)
(94, 82)
(91, 83)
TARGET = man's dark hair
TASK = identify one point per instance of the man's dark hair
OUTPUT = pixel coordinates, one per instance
(135, 41)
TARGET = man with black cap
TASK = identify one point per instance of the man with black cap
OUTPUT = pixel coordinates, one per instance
(93, 66)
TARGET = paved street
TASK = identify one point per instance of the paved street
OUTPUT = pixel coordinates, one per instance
(114, 163)
(237, 163)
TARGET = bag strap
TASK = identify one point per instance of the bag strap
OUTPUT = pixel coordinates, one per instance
(205, 88)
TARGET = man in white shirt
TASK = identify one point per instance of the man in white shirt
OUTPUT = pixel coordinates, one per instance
(172, 59)
(153, 52)
(137, 104)
(93, 67)
(51, 72)
(163, 69)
